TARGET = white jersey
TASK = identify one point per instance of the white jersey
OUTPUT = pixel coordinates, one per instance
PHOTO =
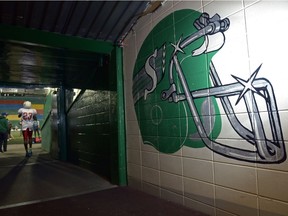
(27, 118)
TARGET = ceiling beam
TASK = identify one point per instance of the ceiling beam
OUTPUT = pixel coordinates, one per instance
(37, 37)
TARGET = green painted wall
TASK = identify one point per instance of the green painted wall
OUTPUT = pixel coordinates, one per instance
(92, 132)
(46, 126)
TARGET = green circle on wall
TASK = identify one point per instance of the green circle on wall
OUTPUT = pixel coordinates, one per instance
(168, 124)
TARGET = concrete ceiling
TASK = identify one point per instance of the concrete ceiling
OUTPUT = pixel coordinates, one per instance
(53, 43)
(97, 20)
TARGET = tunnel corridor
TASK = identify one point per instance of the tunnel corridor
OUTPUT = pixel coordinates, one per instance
(41, 185)
(82, 130)
(41, 178)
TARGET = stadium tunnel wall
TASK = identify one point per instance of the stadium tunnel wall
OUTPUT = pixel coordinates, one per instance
(166, 156)
(47, 127)
(92, 127)
(92, 132)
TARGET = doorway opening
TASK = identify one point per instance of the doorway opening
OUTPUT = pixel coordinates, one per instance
(90, 137)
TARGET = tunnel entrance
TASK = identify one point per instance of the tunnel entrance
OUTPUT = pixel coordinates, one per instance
(79, 121)
(91, 125)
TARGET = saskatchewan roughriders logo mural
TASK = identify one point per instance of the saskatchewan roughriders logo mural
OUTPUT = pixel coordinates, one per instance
(177, 93)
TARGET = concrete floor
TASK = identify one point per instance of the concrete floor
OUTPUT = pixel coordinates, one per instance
(41, 186)
(39, 178)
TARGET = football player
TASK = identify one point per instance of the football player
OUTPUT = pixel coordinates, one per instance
(28, 115)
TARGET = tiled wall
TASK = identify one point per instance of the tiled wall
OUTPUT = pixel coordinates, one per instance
(92, 127)
(201, 178)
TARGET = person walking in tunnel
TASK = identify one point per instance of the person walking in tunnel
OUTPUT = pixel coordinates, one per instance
(9, 136)
(3, 131)
(36, 126)
(8, 133)
(28, 115)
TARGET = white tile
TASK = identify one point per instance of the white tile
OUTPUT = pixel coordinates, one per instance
(133, 142)
(129, 45)
(200, 153)
(277, 167)
(151, 189)
(233, 57)
(223, 8)
(234, 159)
(248, 3)
(171, 196)
(231, 131)
(129, 55)
(206, 2)
(151, 176)
(171, 182)
(198, 206)
(284, 123)
(177, 153)
(283, 112)
(150, 159)
(134, 183)
(283, 166)
(239, 203)
(162, 12)
(142, 31)
(134, 156)
(148, 148)
(198, 169)
(132, 128)
(270, 138)
(237, 177)
(128, 88)
(171, 164)
(187, 4)
(220, 212)
(272, 207)
(198, 190)
(143, 22)
(134, 171)
(273, 60)
(130, 112)
(273, 184)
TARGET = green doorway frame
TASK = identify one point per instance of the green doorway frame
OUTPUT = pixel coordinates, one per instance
(41, 38)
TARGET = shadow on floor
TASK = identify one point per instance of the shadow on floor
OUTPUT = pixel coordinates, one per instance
(42, 186)
(40, 178)
(119, 201)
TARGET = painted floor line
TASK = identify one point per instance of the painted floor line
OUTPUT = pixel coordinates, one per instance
(53, 198)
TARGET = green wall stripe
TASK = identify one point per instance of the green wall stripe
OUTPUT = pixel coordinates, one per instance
(121, 119)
